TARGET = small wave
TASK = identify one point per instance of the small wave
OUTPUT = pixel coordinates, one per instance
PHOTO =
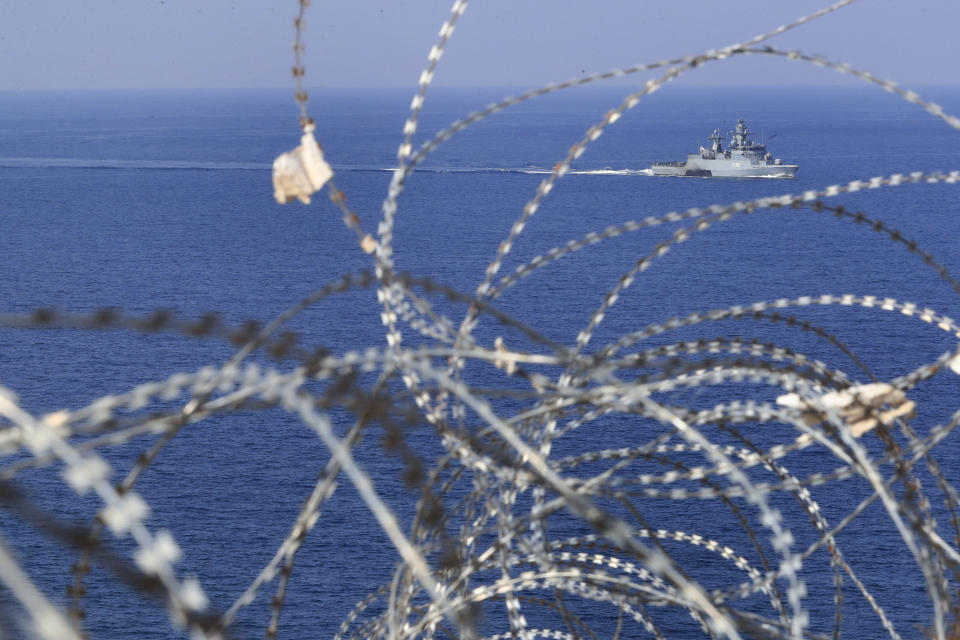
(207, 165)
(614, 172)
(429, 169)
(606, 171)
(103, 163)
(782, 174)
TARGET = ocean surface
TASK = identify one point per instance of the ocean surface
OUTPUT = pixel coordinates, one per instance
(163, 200)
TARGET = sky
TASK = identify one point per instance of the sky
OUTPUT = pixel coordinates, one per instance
(174, 44)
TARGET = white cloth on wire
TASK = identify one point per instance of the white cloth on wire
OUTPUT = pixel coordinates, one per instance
(301, 172)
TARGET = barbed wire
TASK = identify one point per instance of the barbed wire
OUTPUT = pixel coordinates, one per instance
(480, 557)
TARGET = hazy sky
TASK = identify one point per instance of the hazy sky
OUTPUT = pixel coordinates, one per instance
(124, 44)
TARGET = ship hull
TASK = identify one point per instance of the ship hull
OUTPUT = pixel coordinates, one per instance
(769, 171)
(708, 169)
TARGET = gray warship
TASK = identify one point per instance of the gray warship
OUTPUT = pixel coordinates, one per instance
(743, 158)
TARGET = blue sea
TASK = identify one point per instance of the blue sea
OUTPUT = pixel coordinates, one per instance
(163, 200)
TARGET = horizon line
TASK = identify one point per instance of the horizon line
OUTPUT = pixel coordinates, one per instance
(508, 87)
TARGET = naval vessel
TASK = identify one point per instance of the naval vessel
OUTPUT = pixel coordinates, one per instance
(743, 158)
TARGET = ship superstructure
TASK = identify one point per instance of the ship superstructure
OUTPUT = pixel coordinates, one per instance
(743, 158)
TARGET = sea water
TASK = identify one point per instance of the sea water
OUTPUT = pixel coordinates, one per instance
(162, 200)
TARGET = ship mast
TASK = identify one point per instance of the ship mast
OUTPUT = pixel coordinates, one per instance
(740, 133)
(716, 137)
